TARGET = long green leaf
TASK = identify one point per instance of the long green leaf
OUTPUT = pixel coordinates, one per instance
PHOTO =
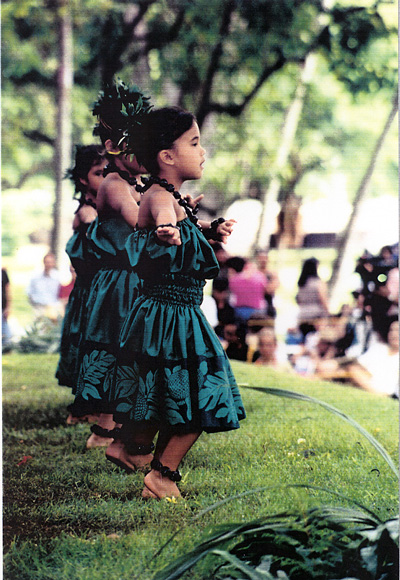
(234, 527)
(239, 565)
(350, 420)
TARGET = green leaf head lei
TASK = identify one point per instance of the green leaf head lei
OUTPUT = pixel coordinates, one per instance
(121, 110)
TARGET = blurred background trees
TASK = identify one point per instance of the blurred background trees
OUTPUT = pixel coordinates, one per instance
(235, 63)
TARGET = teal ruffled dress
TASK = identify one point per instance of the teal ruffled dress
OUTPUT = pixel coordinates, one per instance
(112, 294)
(74, 323)
(172, 370)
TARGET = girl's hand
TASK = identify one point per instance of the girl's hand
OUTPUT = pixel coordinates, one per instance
(169, 234)
(225, 229)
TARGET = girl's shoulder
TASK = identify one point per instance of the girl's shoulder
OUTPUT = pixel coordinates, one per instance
(157, 199)
(86, 214)
(157, 193)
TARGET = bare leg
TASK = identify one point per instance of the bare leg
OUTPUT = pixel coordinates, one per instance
(169, 452)
(106, 422)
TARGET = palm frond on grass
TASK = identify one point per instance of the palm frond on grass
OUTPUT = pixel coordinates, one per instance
(332, 409)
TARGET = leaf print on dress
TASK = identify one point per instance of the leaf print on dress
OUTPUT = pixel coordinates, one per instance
(126, 381)
(95, 369)
(173, 415)
(215, 391)
(146, 401)
(96, 365)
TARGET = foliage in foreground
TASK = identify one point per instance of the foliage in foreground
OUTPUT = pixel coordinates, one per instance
(325, 544)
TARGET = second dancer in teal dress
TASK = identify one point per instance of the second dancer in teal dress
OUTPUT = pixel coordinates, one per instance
(115, 286)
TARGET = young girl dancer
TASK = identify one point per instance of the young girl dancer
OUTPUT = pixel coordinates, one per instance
(115, 286)
(173, 376)
(87, 175)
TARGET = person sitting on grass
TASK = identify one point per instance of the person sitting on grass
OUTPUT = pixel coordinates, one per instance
(267, 352)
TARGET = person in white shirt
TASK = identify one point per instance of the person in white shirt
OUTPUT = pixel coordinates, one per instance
(377, 369)
(43, 289)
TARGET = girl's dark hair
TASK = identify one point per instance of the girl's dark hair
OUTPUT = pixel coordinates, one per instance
(309, 270)
(161, 128)
(236, 263)
(85, 157)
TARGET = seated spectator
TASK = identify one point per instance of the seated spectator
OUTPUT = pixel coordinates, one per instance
(222, 256)
(392, 287)
(379, 285)
(376, 370)
(318, 345)
(255, 323)
(312, 296)
(234, 341)
(293, 344)
(267, 352)
(44, 287)
(247, 286)
(388, 256)
(262, 260)
(225, 312)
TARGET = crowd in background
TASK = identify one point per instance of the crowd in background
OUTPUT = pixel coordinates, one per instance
(358, 345)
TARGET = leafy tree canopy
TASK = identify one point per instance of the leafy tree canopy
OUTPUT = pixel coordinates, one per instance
(215, 57)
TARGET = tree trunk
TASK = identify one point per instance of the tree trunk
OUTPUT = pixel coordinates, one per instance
(344, 260)
(267, 219)
(63, 145)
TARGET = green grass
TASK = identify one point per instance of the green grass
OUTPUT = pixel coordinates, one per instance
(70, 514)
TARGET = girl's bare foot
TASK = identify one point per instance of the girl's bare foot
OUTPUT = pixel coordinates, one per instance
(159, 486)
(97, 441)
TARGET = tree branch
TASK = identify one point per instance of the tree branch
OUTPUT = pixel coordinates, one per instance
(204, 106)
(39, 137)
(234, 109)
(152, 40)
(112, 63)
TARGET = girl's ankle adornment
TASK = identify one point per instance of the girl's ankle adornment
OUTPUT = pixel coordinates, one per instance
(131, 447)
(138, 449)
(102, 431)
(165, 471)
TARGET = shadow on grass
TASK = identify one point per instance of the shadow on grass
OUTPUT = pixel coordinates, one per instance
(34, 416)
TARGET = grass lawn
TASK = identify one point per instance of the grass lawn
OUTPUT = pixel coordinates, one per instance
(70, 514)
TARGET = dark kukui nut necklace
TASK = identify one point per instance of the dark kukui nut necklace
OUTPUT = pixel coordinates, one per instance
(112, 168)
(152, 179)
(148, 182)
